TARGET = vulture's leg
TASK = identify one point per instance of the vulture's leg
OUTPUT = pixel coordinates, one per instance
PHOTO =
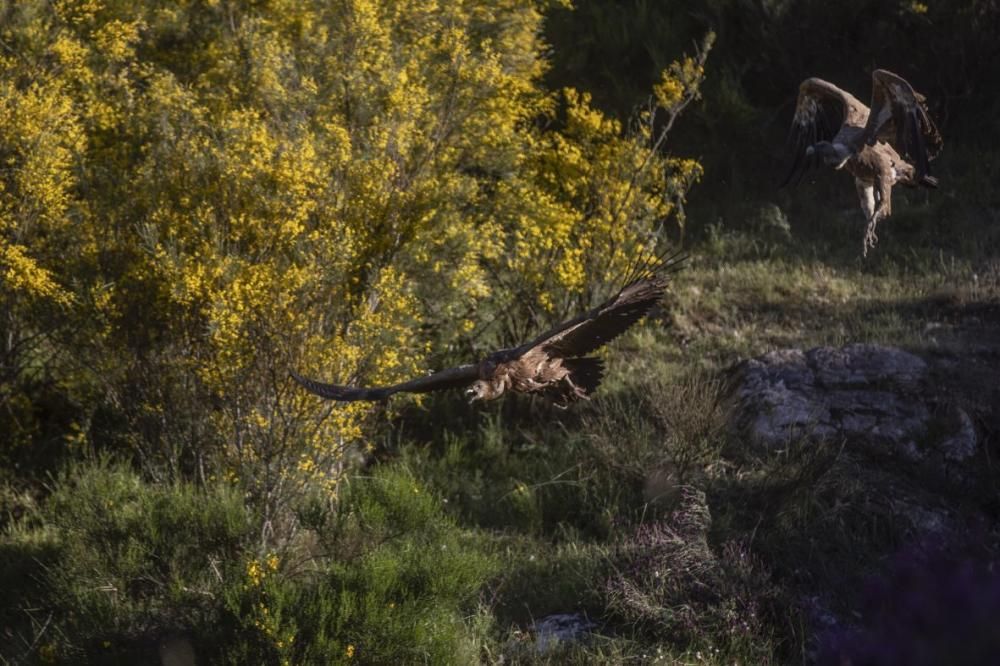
(883, 194)
(883, 208)
(866, 194)
(578, 391)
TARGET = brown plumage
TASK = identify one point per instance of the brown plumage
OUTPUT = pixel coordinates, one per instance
(555, 364)
(892, 143)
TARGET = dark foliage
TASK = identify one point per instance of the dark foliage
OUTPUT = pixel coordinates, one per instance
(764, 50)
(931, 606)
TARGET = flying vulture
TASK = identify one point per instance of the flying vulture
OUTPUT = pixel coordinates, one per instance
(891, 143)
(555, 364)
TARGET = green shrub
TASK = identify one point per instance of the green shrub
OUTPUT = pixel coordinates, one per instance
(400, 579)
(108, 564)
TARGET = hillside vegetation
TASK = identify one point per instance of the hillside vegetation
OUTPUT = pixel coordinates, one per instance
(197, 197)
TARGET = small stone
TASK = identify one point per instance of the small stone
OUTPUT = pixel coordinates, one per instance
(960, 446)
(560, 628)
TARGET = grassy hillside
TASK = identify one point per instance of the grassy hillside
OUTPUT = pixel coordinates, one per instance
(468, 524)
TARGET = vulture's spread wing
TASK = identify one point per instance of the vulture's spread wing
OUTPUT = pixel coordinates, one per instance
(591, 330)
(899, 117)
(820, 111)
(445, 379)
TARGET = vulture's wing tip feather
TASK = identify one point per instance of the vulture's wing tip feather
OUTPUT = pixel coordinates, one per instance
(336, 391)
(645, 285)
(899, 116)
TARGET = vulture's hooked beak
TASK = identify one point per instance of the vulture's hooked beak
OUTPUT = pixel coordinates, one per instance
(471, 392)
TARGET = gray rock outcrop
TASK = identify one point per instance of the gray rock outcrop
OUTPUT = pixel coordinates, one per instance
(880, 398)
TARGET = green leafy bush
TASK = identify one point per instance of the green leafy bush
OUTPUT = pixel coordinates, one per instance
(394, 582)
(108, 563)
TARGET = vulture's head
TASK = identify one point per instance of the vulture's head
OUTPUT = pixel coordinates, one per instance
(832, 154)
(484, 390)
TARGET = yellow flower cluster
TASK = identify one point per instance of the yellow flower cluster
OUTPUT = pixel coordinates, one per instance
(77, 11)
(23, 274)
(116, 40)
(681, 80)
(259, 569)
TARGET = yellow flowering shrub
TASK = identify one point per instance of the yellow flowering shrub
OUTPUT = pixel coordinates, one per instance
(205, 195)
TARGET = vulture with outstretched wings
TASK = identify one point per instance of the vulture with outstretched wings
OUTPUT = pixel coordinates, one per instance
(555, 364)
(891, 143)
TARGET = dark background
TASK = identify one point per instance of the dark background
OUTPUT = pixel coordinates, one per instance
(949, 51)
